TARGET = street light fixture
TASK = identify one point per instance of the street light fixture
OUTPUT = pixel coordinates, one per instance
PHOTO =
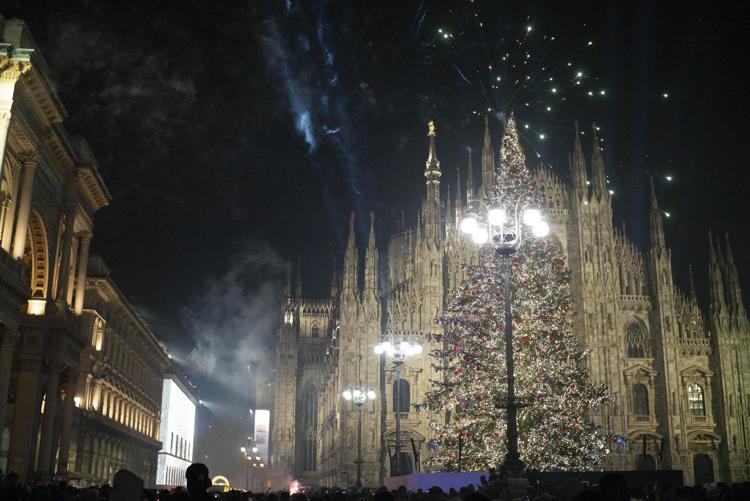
(358, 395)
(399, 349)
(505, 231)
(248, 452)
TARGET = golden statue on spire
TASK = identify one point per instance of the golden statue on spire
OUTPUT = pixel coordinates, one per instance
(430, 128)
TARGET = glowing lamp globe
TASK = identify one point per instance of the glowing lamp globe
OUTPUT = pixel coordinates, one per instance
(496, 216)
(347, 395)
(531, 217)
(370, 395)
(255, 449)
(540, 229)
(468, 224)
(357, 393)
(242, 449)
(480, 235)
(378, 349)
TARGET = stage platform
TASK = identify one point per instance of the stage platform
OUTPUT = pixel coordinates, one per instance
(426, 480)
(568, 483)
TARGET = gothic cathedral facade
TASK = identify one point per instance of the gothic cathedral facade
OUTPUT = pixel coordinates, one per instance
(680, 379)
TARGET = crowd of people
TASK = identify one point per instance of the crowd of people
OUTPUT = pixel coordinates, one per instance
(611, 487)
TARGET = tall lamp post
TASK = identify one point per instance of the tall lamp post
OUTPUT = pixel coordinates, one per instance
(504, 229)
(399, 349)
(249, 454)
(359, 394)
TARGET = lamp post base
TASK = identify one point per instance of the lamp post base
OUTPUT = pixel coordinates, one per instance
(517, 486)
(512, 466)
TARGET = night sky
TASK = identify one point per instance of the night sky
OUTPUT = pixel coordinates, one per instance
(237, 135)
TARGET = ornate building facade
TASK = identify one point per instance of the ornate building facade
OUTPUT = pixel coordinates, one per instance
(80, 374)
(679, 377)
(118, 405)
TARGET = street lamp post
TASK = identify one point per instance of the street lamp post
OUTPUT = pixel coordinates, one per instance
(399, 350)
(248, 454)
(243, 450)
(505, 233)
(359, 394)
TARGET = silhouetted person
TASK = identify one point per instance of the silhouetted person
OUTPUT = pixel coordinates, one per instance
(126, 486)
(476, 496)
(614, 487)
(10, 490)
(382, 494)
(198, 481)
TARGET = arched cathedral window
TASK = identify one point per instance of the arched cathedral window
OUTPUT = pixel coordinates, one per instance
(315, 330)
(310, 429)
(640, 400)
(696, 401)
(401, 397)
(638, 346)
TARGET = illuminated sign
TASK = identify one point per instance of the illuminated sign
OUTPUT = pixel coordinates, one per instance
(262, 424)
(176, 434)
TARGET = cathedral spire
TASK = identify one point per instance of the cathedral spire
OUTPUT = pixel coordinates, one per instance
(288, 282)
(432, 167)
(334, 280)
(598, 178)
(431, 205)
(448, 206)
(371, 237)
(718, 307)
(732, 280)
(459, 195)
(657, 224)
(371, 260)
(488, 158)
(693, 295)
(578, 167)
(351, 258)
(298, 290)
(470, 195)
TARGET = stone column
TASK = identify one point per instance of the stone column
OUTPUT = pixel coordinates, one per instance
(96, 399)
(67, 424)
(63, 280)
(30, 163)
(25, 412)
(83, 261)
(106, 402)
(48, 421)
(7, 344)
(8, 210)
(10, 71)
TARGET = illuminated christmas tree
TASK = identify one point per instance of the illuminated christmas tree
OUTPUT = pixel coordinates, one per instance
(556, 431)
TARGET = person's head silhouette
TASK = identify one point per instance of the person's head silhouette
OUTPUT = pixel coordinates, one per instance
(198, 480)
